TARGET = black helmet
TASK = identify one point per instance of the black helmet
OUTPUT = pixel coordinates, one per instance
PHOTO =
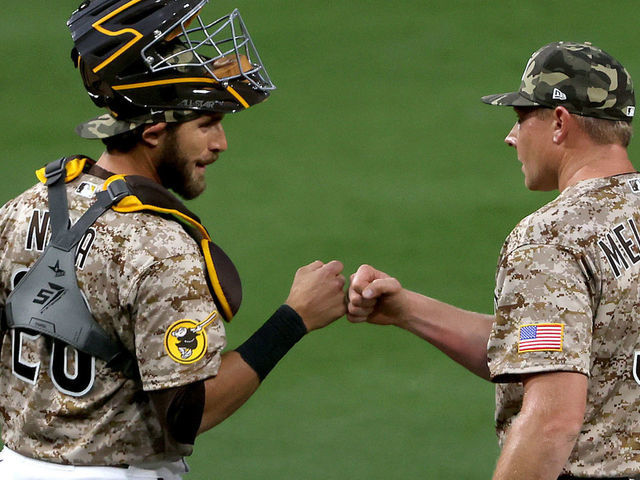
(137, 56)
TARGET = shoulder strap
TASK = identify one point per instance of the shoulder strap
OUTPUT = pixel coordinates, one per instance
(48, 299)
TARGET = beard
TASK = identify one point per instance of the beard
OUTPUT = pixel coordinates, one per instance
(177, 172)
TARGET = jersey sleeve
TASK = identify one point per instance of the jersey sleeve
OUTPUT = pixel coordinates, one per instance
(179, 335)
(543, 314)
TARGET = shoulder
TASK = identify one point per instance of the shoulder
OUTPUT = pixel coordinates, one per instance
(579, 215)
(140, 233)
(144, 238)
(31, 196)
(18, 210)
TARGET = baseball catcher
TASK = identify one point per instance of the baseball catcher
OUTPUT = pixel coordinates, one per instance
(113, 294)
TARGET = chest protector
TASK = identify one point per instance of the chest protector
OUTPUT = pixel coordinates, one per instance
(48, 300)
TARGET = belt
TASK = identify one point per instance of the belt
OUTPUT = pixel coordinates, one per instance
(571, 477)
(15, 464)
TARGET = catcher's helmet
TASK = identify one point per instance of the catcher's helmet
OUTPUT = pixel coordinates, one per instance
(140, 56)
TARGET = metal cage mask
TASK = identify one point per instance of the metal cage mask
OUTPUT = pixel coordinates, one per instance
(224, 48)
(140, 55)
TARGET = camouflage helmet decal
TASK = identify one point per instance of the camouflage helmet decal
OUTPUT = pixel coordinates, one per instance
(107, 125)
(578, 76)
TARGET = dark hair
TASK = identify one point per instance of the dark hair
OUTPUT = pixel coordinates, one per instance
(124, 142)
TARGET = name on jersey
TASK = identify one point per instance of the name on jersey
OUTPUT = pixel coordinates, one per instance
(39, 233)
(621, 246)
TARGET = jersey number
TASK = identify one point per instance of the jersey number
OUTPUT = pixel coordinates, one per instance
(71, 371)
(636, 367)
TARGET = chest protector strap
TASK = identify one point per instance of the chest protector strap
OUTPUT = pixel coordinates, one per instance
(47, 299)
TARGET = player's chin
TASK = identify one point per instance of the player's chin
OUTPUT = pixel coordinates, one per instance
(192, 188)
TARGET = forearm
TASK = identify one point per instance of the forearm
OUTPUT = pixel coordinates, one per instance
(460, 334)
(532, 451)
(242, 370)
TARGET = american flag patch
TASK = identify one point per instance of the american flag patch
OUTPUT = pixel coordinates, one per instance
(541, 337)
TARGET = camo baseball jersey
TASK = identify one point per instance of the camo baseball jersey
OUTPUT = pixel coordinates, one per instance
(567, 290)
(142, 276)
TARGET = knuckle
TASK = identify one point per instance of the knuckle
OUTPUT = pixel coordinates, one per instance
(334, 266)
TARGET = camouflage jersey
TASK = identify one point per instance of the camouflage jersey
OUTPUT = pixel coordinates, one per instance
(142, 276)
(567, 290)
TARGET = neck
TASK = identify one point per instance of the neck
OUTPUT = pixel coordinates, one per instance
(134, 162)
(596, 161)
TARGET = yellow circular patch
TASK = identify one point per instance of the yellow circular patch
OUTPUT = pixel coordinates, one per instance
(185, 341)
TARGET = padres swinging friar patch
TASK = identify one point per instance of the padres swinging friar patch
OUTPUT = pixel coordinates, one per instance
(186, 340)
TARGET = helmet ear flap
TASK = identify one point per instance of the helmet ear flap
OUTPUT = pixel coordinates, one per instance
(94, 84)
(75, 57)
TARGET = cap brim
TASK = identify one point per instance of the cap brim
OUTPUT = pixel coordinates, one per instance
(511, 99)
(106, 126)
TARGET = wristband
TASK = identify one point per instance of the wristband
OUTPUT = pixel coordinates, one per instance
(266, 347)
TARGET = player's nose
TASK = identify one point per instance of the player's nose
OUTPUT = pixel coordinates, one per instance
(218, 140)
(512, 137)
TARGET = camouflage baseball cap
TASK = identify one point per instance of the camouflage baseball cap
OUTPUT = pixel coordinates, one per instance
(107, 125)
(578, 76)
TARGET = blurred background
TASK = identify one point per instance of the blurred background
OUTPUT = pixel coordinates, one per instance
(374, 149)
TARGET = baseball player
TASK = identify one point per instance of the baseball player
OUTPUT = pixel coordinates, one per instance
(564, 342)
(113, 294)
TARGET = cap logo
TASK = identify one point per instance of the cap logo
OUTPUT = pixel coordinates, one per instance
(631, 111)
(634, 185)
(558, 95)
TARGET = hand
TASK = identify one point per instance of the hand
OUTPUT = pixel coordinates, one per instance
(317, 293)
(375, 297)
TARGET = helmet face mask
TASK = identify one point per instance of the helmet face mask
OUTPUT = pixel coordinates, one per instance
(140, 56)
(223, 48)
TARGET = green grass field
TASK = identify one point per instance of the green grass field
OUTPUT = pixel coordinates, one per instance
(375, 148)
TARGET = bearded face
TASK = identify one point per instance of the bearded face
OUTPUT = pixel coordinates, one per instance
(179, 173)
(187, 149)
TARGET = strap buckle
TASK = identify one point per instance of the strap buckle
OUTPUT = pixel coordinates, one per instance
(118, 189)
(55, 170)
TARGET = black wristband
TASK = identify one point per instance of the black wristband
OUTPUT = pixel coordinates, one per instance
(266, 347)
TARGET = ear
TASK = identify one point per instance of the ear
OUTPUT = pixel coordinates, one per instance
(562, 122)
(152, 134)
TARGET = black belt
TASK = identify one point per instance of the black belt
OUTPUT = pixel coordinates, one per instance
(571, 477)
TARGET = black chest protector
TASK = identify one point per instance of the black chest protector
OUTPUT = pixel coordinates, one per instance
(48, 300)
